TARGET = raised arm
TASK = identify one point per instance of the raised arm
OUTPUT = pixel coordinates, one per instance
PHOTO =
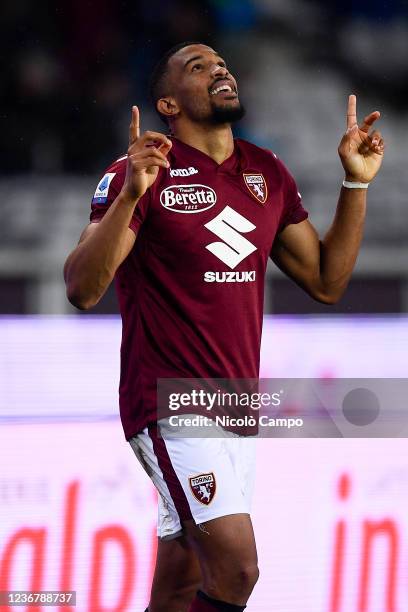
(323, 267)
(103, 246)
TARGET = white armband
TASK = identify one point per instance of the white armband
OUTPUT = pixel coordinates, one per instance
(351, 185)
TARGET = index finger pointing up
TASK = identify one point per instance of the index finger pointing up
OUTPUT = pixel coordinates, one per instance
(134, 128)
(351, 112)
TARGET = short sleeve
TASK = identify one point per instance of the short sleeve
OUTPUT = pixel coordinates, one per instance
(293, 211)
(108, 189)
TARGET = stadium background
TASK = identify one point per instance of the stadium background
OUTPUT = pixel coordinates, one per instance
(330, 515)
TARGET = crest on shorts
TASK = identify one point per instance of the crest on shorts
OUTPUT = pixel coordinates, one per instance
(203, 487)
(257, 186)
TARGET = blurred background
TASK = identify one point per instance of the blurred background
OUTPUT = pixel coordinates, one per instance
(330, 515)
(71, 71)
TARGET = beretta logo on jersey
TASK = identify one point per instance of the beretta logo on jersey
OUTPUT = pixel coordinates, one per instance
(188, 198)
(203, 487)
(257, 186)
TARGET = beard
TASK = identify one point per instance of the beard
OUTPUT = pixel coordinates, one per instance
(227, 115)
(199, 111)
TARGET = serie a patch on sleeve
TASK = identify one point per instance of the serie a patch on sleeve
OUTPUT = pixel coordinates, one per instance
(102, 190)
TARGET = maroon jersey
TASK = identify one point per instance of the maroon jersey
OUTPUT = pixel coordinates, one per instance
(191, 290)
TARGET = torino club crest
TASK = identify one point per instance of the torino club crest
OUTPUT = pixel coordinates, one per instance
(203, 487)
(257, 186)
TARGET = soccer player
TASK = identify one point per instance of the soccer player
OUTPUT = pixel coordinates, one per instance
(185, 224)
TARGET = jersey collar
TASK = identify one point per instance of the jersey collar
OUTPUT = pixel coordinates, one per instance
(232, 165)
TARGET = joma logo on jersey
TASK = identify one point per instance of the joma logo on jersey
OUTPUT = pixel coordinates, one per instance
(183, 171)
(229, 225)
(188, 198)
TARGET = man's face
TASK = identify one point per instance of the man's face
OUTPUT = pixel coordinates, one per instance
(202, 86)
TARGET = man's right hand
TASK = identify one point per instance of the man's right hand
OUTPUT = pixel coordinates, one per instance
(146, 154)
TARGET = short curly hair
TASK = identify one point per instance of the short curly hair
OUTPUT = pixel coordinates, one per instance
(158, 82)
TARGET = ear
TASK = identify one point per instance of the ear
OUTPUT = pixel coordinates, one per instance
(168, 107)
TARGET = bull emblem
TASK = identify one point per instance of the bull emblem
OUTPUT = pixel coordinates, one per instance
(257, 186)
(203, 487)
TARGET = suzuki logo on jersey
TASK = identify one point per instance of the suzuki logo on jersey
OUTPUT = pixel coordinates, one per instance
(188, 198)
(229, 225)
(183, 171)
(257, 186)
(230, 277)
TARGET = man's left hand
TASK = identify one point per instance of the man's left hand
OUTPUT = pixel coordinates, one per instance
(361, 152)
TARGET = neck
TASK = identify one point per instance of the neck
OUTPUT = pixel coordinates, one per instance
(216, 141)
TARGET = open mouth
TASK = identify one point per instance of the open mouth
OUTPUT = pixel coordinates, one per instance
(225, 90)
